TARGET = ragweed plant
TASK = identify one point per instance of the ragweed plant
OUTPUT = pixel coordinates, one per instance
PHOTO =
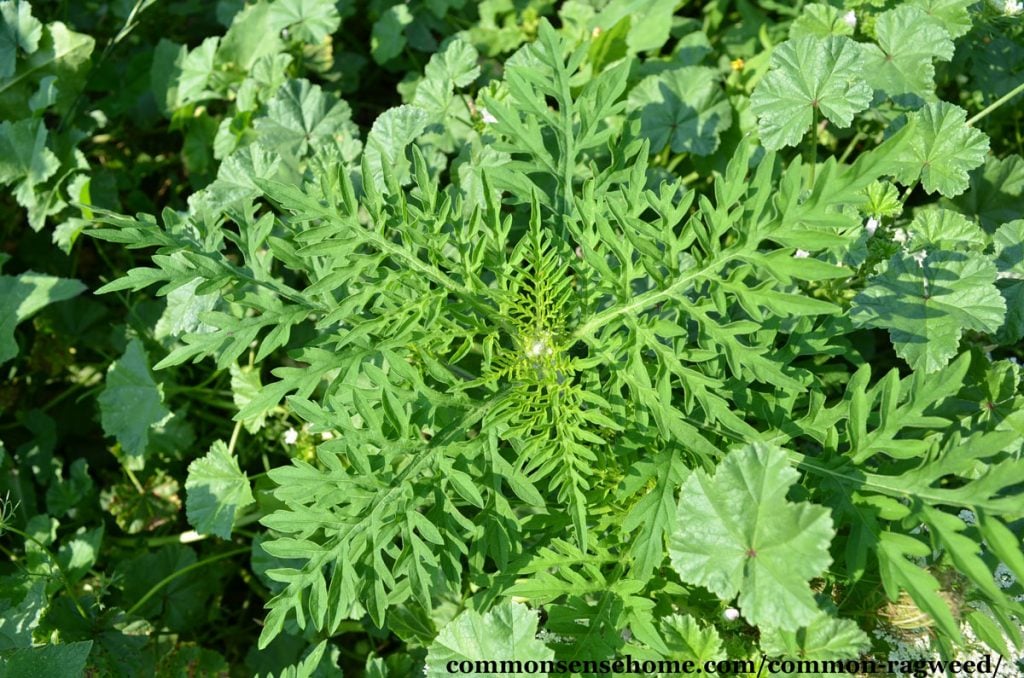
(558, 374)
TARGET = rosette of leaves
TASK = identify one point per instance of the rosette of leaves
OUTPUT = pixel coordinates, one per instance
(529, 395)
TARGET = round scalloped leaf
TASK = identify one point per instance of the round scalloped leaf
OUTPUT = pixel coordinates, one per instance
(132, 402)
(1009, 253)
(806, 74)
(826, 637)
(941, 150)
(507, 632)
(685, 108)
(216, 489)
(901, 66)
(737, 534)
(820, 21)
(927, 304)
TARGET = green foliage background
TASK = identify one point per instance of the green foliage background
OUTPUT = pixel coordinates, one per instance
(360, 337)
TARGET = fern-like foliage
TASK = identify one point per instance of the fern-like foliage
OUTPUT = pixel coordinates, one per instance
(517, 387)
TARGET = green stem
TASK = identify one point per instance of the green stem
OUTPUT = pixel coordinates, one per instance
(133, 478)
(997, 103)
(812, 145)
(849, 147)
(177, 573)
(234, 437)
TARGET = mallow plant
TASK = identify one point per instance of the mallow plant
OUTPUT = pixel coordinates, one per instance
(545, 373)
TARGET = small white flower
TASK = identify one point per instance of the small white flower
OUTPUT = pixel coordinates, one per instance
(1004, 577)
(326, 435)
(919, 257)
(1013, 7)
(900, 236)
(291, 436)
(539, 348)
(731, 614)
(968, 516)
(801, 254)
(871, 226)
(486, 116)
(850, 19)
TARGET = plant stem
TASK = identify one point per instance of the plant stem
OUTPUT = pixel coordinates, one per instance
(812, 145)
(849, 147)
(234, 437)
(996, 104)
(177, 573)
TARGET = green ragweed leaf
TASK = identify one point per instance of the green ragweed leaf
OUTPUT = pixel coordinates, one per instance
(737, 534)
(901, 66)
(927, 301)
(19, 30)
(23, 295)
(1009, 252)
(215, 491)
(132, 402)
(506, 632)
(941, 149)
(824, 638)
(685, 108)
(808, 75)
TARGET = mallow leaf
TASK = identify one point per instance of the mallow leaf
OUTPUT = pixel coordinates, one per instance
(685, 108)
(391, 133)
(387, 40)
(952, 15)
(61, 53)
(996, 193)
(820, 20)
(19, 30)
(686, 639)
(1009, 252)
(216, 490)
(826, 637)
(306, 20)
(901, 66)
(941, 150)
(301, 117)
(132, 402)
(809, 74)
(66, 659)
(737, 534)
(927, 301)
(507, 632)
(25, 160)
(23, 295)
